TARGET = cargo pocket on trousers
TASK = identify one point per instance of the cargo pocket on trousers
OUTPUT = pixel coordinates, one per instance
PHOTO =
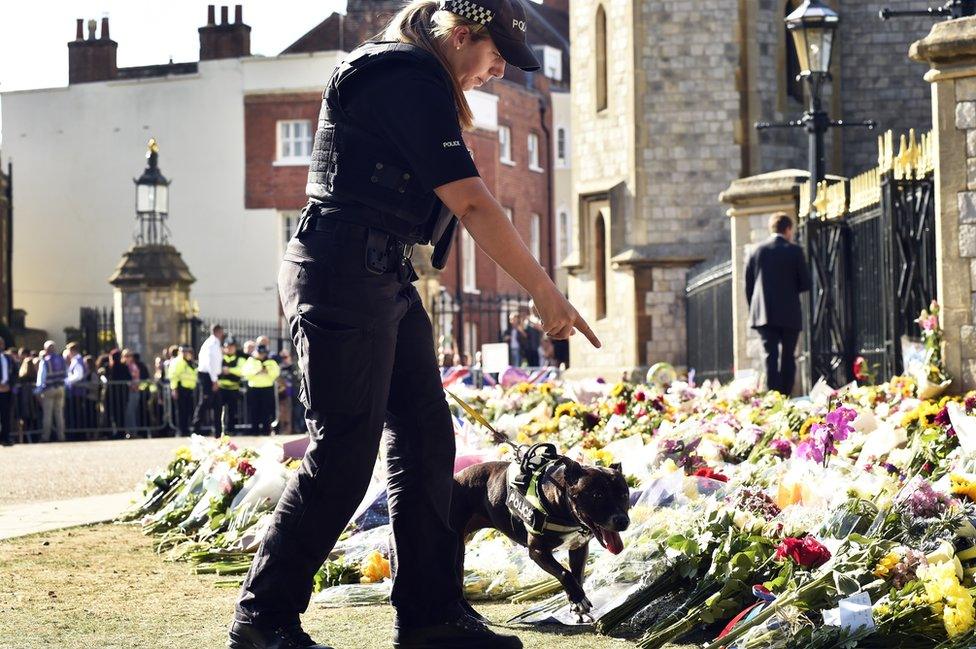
(336, 367)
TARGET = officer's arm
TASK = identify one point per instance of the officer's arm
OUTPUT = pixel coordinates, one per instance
(484, 218)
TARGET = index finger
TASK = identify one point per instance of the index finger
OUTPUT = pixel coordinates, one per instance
(586, 331)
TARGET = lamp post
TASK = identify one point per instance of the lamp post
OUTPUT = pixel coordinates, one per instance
(813, 26)
(152, 200)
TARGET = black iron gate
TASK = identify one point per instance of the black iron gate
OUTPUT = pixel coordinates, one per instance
(873, 271)
(708, 300)
(96, 330)
(462, 323)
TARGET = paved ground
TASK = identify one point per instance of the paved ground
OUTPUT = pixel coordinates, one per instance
(63, 470)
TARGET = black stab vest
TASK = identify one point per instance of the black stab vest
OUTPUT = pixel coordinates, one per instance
(358, 171)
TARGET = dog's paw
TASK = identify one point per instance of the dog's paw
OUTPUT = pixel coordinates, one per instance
(582, 608)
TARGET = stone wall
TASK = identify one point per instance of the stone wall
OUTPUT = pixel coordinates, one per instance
(950, 50)
(877, 80)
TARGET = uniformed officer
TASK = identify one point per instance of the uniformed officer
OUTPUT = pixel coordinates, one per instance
(260, 372)
(229, 385)
(182, 374)
(389, 169)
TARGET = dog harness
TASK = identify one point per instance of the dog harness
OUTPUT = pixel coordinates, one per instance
(526, 502)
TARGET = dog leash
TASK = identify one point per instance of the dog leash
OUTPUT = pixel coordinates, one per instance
(497, 437)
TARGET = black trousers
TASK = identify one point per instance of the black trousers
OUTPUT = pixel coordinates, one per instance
(260, 409)
(365, 347)
(184, 409)
(208, 408)
(779, 351)
(230, 400)
(6, 406)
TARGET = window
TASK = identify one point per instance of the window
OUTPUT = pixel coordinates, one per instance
(535, 236)
(469, 268)
(565, 235)
(533, 143)
(600, 266)
(561, 147)
(289, 221)
(601, 59)
(505, 145)
(294, 141)
(794, 86)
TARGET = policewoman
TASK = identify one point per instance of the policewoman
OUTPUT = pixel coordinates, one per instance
(389, 170)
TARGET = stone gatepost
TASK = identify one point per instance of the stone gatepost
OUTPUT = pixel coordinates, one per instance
(152, 298)
(752, 201)
(428, 281)
(950, 50)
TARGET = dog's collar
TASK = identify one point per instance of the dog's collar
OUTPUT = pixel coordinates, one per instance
(526, 502)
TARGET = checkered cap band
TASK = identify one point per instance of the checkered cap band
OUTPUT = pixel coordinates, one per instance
(470, 10)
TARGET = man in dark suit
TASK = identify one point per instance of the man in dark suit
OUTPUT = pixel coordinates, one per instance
(776, 274)
(8, 378)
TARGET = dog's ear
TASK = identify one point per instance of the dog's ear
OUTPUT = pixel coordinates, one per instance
(617, 467)
(573, 472)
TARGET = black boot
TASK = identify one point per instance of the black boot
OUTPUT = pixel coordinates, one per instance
(249, 636)
(462, 632)
(469, 610)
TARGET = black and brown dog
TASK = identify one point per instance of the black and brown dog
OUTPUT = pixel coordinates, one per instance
(594, 501)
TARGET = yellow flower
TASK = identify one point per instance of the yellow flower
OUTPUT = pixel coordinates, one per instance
(599, 456)
(948, 598)
(886, 565)
(545, 388)
(805, 428)
(375, 567)
(568, 409)
(962, 485)
(184, 453)
(618, 389)
(524, 388)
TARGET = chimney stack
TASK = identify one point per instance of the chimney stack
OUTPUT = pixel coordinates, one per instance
(92, 59)
(226, 40)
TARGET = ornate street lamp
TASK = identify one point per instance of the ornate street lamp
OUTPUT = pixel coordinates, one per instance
(152, 200)
(813, 27)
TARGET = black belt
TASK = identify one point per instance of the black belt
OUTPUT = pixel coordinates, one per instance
(384, 252)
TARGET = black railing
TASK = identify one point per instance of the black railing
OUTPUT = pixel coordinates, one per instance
(708, 300)
(462, 323)
(241, 329)
(873, 271)
(96, 330)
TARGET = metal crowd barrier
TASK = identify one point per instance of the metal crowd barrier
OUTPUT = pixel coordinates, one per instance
(96, 409)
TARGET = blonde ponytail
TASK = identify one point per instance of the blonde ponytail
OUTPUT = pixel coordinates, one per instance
(422, 23)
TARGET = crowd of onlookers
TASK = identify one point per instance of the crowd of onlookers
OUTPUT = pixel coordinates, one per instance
(46, 394)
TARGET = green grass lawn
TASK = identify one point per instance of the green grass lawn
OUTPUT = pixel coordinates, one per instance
(103, 587)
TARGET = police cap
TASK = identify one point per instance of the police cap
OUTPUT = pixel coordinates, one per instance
(505, 21)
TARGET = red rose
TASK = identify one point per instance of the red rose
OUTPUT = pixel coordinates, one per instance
(640, 396)
(808, 552)
(245, 468)
(620, 408)
(710, 473)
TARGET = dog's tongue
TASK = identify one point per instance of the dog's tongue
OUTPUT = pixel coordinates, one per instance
(611, 541)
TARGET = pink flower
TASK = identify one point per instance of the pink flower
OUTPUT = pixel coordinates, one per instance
(781, 447)
(640, 395)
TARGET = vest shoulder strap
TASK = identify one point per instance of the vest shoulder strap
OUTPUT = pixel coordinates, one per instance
(368, 55)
